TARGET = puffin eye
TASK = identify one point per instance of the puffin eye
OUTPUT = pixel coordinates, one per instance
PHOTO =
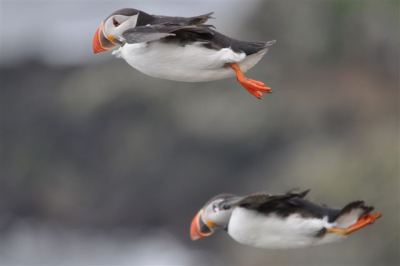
(215, 208)
(116, 23)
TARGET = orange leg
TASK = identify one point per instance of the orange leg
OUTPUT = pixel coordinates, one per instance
(361, 223)
(254, 87)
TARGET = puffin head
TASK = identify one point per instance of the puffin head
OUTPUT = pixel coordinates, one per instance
(109, 34)
(212, 216)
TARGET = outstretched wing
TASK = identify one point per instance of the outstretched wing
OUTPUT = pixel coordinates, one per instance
(156, 32)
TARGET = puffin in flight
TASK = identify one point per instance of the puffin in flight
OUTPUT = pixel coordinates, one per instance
(279, 221)
(179, 48)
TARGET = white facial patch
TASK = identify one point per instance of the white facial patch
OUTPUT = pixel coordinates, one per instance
(117, 24)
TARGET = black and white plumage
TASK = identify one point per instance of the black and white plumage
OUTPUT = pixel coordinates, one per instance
(179, 48)
(279, 221)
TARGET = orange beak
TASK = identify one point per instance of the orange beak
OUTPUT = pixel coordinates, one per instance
(198, 229)
(100, 42)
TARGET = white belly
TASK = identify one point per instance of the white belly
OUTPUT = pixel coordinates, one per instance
(190, 63)
(273, 232)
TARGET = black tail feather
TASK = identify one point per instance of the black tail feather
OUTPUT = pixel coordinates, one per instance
(359, 204)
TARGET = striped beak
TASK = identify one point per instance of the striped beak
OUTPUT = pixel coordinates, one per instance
(100, 42)
(199, 229)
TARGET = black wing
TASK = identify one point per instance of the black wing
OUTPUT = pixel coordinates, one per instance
(187, 34)
(147, 19)
(167, 28)
(256, 201)
(156, 32)
(213, 39)
(282, 205)
(197, 20)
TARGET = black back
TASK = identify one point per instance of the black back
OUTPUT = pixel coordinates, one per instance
(283, 205)
(303, 207)
(187, 31)
(212, 39)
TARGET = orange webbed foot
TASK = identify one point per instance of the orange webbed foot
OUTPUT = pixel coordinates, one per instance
(361, 223)
(254, 87)
(364, 221)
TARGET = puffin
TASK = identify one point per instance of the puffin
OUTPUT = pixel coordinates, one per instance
(279, 221)
(179, 48)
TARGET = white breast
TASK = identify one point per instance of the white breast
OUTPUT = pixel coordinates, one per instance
(190, 63)
(273, 232)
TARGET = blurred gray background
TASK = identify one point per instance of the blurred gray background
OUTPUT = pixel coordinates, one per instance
(103, 165)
